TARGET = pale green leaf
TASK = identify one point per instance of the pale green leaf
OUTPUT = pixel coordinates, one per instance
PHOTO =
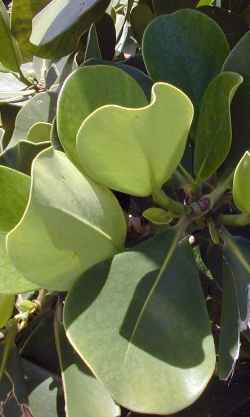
(213, 135)
(87, 89)
(136, 151)
(241, 184)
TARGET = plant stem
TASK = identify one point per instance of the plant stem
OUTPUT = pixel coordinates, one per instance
(185, 174)
(216, 194)
(12, 329)
(242, 219)
(169, 204)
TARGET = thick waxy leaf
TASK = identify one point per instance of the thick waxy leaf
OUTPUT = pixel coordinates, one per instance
(87, 89)
(92, 48)
(191, 49)
(239, 61)
(39, 132)
(145, 164)
(14, 188)
(84, 394)
(145, 314)
(229, 343)
(241, 184)
(21, 155)
(69, 225)
(41, 108)
(213, 136)
(63, 21)
(10, 56)
(6, 308)
(11, 281)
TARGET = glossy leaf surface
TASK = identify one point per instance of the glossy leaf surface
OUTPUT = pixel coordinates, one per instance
(145, 314)
(241, 184)
(191, 49)
(87, 89)
(64, 17)
(70, 224)
(114, 131)
(84, 394)
(213, 136)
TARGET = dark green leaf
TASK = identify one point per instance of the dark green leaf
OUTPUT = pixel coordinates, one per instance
(140, 17)
(239, 61)
(92, 48)
(169, 6)
(186, 49)
(213, 135)
(229, 342)
(10, 56)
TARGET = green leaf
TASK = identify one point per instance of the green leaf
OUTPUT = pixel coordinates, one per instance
(61, 23)
(92, 47)
(236, 308)
(145, 314)
(41, 108)
(22, 13)
(43, 390)
(241, 184)
(11, 88)
(157, 215)
(21, 155)
(6, 308)
(213, 135)
(70, 224)
(87, 89)
(15, 188)
(11, 281)
(140, 17)
(183, 55)
(39, 132)
(238, 258)
(229, 342)
(84, 394)
(239, 61)
(146, 164)
(205, 3)
(10, 56)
